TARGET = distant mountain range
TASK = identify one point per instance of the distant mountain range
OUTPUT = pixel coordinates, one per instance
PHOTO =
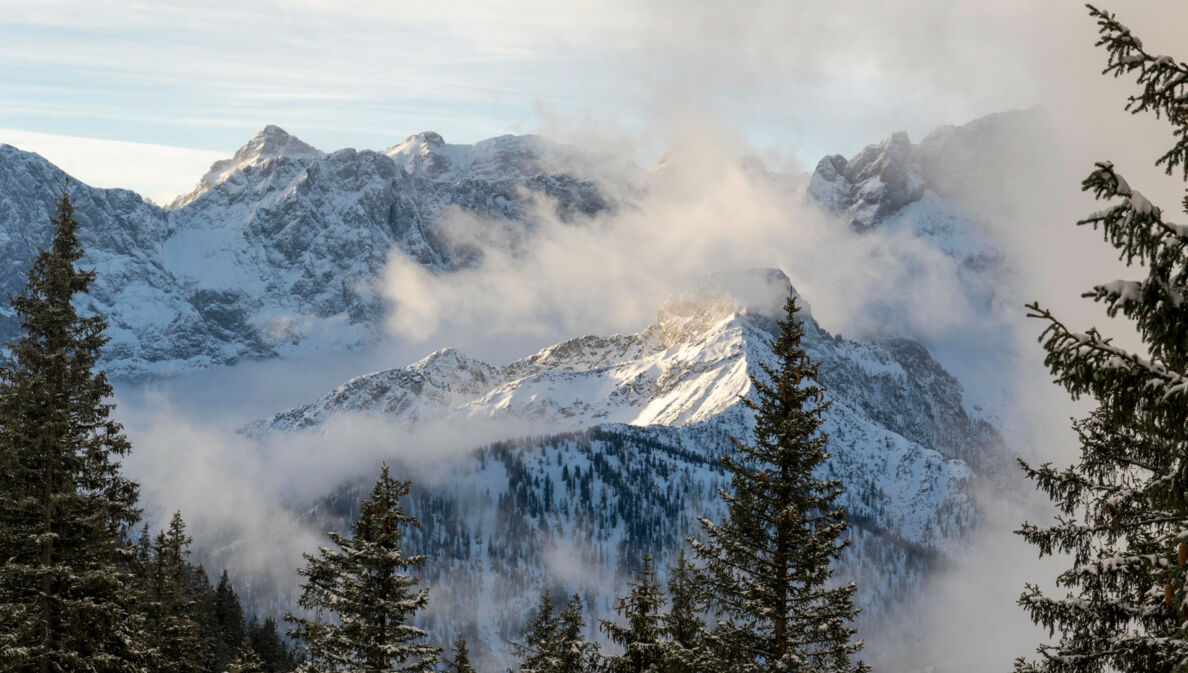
(278, 251)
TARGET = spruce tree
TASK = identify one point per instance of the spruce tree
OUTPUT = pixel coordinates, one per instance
(266, 642)
(360, 596)
(536, 648)
(246, 661)
(642, 637)
(460, 663)
(555, 642)
(227, 632)
(768, 568)
(65, 509)
(173, 637)
(574, 654)
(200, 596)
(682, 623)
(1123, 508)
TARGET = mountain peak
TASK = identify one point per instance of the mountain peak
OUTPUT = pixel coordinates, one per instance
(418, 143)
(875, 183)
(965, 160)
(719, 295)
(271, 142)
(426, 153)
(427, 138)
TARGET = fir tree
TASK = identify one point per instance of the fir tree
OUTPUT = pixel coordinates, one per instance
(363, 587)
(173, 637)
(65, 509)
(768, 568)
(200, 596)
(535, 650)
(461, 661)
(246, 661)
(554, 642)
(682, 623)
(266, 642)
(227, 625)
(1122, 507)
(573, 653)
(642, 637)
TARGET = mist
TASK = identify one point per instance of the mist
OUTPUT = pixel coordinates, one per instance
(786, 82)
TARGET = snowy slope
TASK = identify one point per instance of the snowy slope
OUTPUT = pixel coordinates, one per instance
(278, 248)
(900, 440)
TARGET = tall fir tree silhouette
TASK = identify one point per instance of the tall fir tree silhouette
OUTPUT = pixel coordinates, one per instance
(1122, 517)
(768, 568)
(65, 508)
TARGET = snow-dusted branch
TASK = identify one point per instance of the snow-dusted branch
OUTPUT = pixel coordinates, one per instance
(1073, 350)
(1164, 82)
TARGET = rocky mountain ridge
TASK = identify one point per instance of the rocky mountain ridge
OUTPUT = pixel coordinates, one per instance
(642, 418)
(278, 249)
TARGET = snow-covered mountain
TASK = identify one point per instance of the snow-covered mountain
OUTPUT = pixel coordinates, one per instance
(642, 418)
(953, 162)
(278, 249)
(964, 192)
(944, 190)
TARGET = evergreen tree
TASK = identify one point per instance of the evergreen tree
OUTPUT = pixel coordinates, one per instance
(767, 569)
(66, 511)
(200, 597)
(461, 661)
(246, 661)
(1123, 507)
(173, 637)
(682, 623)
(573, 653)
(227, 625)
(266, 642)
(535, 651)
(363, 585)
(642, 637)
(554, 642)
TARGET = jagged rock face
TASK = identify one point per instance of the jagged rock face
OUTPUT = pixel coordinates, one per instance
(121, 231)
(278, 249)
(951, 162)
(658, 408)
(272, 142)
(879, 181)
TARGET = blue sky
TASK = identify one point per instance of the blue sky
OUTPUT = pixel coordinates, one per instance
(792, 80)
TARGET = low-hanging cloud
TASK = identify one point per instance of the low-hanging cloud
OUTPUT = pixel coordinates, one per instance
(701, 210)
(246, 499)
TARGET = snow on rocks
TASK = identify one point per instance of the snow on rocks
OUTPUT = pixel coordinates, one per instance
(278, 249)
(900, 438)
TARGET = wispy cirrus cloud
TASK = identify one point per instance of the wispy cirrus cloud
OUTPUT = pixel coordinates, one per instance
(800, 79)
